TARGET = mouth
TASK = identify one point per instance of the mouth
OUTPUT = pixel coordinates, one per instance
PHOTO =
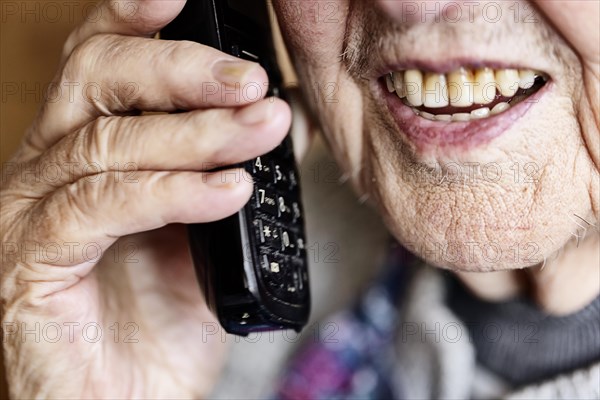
(464, 107)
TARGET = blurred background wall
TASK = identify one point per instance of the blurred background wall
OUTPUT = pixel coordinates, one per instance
(31, 37)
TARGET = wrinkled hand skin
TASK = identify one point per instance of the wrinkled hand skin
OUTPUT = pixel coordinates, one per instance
(95, 235)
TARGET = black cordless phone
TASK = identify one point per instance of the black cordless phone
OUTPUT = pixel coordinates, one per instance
(252, 266)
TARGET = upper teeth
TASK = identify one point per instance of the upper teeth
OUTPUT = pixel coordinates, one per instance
(459, 88)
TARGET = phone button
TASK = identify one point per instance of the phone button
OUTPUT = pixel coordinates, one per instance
(282, 179)
(266, 200)
(267, 233)
(293, 179)
(285, 211)
(274, 270)
(262, 168)
(296, 211)
(289, 244)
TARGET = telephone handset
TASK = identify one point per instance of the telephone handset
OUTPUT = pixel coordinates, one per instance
(252, 266)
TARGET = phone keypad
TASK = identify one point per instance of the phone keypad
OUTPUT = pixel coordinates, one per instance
(278, 224)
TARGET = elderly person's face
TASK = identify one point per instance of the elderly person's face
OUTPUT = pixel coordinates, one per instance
(481, 191)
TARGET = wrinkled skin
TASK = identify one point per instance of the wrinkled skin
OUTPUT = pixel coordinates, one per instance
(528, 217)
(145, 276)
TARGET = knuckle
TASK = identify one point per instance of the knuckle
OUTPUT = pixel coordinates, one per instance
(97, 141)
(83, 196)
(81, 58)
(94, 148)
(182, 58)
(85, 70)
(66, 214)
(71, 211)
(88, 55)
(158, 184)
(212, 144)
(193, 136)
(50, 219)
(179, 52)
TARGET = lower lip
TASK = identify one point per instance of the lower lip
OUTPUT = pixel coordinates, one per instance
(466, 135)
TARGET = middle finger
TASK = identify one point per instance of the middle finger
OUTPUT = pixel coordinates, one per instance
(194, 141)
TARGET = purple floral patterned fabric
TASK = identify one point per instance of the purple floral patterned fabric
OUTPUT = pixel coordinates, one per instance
(356, 362)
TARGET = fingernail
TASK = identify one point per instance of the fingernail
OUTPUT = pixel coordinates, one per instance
(254, 113)
(231, 72)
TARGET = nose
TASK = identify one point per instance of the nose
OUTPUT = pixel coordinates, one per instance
(410, 11)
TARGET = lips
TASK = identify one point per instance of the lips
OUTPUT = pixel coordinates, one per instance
(431, 113)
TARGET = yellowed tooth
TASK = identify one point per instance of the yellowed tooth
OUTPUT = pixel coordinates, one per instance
(500, 107)
(389, 84)
(526, 78)
(399, 84)
(413, 81)
(507, 81)
(435, 94)
(480, 113)
(461, 117)
(460, 88)
(484, 88)
(443, 117)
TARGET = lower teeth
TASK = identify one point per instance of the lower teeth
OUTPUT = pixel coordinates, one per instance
(479, 113)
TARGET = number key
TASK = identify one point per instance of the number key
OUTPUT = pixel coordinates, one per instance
(263, 169)
(282, 179)
(285, 211)
(288, 242)
(266, 200)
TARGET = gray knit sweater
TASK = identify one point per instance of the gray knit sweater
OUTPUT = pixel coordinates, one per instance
(437, 352)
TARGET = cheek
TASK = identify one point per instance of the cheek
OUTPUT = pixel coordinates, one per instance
(314, 30)
(342, 121)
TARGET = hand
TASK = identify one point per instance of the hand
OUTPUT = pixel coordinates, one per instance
(91, 202)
